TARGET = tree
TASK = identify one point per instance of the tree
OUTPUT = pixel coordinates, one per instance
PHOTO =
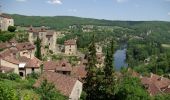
(109, 78)
(38, 48)
(130, 88)
(11, 28)
(47, 91)
(91, 78)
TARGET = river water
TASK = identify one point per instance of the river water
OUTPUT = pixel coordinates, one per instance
(120, 58)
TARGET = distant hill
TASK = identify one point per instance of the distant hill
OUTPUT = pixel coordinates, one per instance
(58, 22)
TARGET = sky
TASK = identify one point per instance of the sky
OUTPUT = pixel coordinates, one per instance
(133, 10)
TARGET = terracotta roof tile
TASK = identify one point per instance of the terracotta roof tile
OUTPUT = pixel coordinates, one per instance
(33, 63)
(5, 53)
(80, 71)
(24, 46)
(70, 42)
(64, 65)
(50, 65)
(155, 83)
(63, 83)
(11, 59)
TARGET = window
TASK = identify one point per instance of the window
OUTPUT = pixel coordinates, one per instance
(21, 74)
(69, 49)
(32, 69)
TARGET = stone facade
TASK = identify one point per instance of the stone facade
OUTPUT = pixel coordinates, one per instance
(76, 91)
(11, 65)
(5, 22)
(48, 37)
(70, 47)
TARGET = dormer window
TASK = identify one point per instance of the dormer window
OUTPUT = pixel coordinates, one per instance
(63, 65)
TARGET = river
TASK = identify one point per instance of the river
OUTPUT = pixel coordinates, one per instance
(120, 58)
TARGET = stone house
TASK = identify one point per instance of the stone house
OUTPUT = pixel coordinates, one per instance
(70, 47)
(20, 58)
(26, 49)
(66, 85)
(62, 66)
(23, 65)
(48, 37)
(5, 22)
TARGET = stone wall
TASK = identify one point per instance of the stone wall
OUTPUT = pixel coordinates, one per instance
(5, 22)
(76, 91)
(11, 65)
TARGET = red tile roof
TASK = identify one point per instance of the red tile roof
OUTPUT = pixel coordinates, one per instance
(50, 32)
(4, 45)
(33, 63)
(5, 53)
(155, 83)
(11, 59)
(63, 83)
(70, 42)
(50, 65)
(36, 29)
(62, 65)
(80, 71)
(25, 46)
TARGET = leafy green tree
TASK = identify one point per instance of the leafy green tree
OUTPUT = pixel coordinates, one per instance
(47, 91)
(11, 28)
(38, 48)
(91, 78)
(130, 88)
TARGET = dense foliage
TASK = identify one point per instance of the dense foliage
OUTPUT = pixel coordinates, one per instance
(38, 48)
(47, 91)
(11, 28)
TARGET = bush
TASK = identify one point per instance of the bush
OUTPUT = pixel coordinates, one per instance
(33, 75)
(13, 76)
(11, 28)
(3, 76)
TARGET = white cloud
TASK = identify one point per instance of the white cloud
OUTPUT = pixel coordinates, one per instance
(169, 13)
(55, 2)
(21, 0)
(121, 1)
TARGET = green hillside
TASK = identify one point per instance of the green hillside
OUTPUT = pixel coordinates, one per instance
(58, 22)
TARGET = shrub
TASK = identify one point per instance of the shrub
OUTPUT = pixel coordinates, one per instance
(33, 75)
(13, 76)
(3, 76)
(11, 28)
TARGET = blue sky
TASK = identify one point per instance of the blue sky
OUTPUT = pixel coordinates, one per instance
(100, 9)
